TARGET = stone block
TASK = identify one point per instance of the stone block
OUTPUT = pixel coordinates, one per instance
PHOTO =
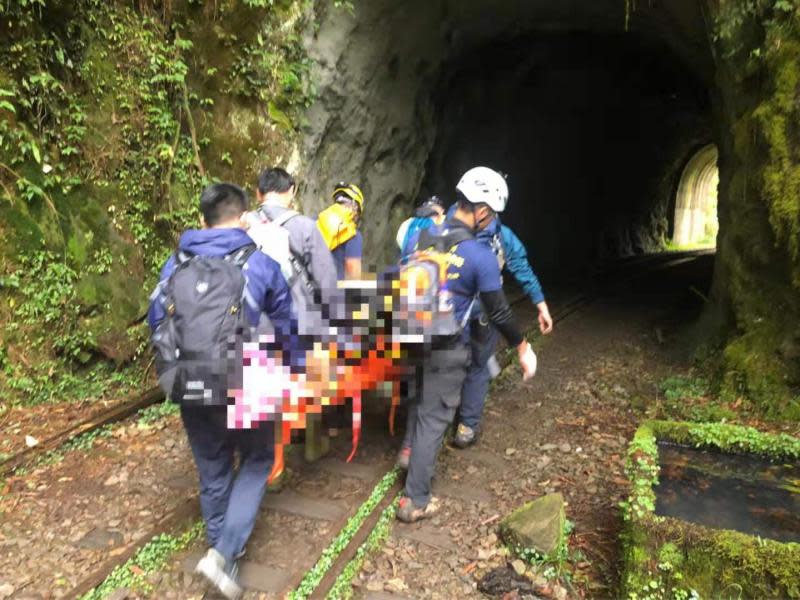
(537, 525)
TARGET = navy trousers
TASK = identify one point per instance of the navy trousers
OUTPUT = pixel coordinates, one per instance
(229, 501)
(476, 383)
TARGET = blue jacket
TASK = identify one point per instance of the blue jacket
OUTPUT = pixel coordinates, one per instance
(501, 239)
(266, 291)
(415, 225)
(515, 256)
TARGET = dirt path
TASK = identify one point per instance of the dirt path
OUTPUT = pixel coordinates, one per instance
(61, 521)
(566, 431)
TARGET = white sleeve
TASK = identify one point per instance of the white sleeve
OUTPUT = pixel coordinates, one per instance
(401, 233)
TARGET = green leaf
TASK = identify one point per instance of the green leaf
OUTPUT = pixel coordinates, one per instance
(6, 105)
(6, 93)
(280, 117)
(37, 156)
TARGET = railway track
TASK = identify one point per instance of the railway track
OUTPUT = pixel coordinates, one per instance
(349, 524)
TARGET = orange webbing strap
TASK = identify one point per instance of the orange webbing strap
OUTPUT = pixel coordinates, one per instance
(356, 424)
(395, 404)
(279, 463)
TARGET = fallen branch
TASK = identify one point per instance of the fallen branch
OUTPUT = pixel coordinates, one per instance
(491, 519)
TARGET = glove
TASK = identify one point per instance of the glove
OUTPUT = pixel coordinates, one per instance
(527, 360)
(494, 366)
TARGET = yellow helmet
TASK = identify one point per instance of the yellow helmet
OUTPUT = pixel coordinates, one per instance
(352, 191)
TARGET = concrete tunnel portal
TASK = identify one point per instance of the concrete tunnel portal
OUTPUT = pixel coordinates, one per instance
(593, 124)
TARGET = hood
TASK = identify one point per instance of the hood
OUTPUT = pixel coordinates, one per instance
(273, 211)
(213, 242)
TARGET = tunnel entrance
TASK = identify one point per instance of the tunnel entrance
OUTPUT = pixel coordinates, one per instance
(592, 123)
(592, 130)
(695, 222)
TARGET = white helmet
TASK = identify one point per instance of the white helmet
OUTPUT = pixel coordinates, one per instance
(482, 184)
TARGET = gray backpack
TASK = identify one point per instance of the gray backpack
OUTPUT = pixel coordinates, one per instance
(198, 345)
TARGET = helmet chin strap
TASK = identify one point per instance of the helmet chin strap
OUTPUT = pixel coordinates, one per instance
(478, 222)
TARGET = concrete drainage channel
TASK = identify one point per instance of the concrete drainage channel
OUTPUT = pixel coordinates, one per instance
(343, 532)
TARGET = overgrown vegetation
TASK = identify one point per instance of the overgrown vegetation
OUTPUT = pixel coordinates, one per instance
(693, 398)
(113, 116)
(342, 587)
(335, 548)
(157, 412)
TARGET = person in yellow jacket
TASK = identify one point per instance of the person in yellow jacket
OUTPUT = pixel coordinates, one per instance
(339, 227)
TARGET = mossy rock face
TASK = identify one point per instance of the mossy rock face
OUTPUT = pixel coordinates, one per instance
(145, 106)
(758, 263)
(537, 525)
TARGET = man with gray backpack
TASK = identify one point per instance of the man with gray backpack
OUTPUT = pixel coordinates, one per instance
(214, 293)
(294, 241)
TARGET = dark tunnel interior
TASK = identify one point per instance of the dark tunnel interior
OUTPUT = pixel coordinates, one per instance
(592, 130)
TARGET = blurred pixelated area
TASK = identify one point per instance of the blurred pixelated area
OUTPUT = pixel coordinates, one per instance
(368, 344)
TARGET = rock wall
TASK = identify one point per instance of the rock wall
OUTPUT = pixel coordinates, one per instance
(113, 115)
(376, 121)
(757, 272)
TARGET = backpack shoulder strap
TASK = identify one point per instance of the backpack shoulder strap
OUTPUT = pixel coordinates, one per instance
(427, 239)
(456, 236)
(442, 242)
(182, 257)
(241, 255)
(285, 217)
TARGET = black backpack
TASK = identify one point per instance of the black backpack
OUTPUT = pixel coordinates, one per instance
(198, 345)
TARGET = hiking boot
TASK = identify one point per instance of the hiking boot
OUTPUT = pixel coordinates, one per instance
(403, 457)
(408, 512)
(465, 436)
(223, 577)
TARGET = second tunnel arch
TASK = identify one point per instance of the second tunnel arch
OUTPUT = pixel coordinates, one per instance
(695, 221)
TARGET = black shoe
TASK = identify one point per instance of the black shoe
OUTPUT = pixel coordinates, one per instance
(465, 436)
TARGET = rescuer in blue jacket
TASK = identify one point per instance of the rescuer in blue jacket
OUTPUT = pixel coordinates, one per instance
(430, 212)
(511, 255)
